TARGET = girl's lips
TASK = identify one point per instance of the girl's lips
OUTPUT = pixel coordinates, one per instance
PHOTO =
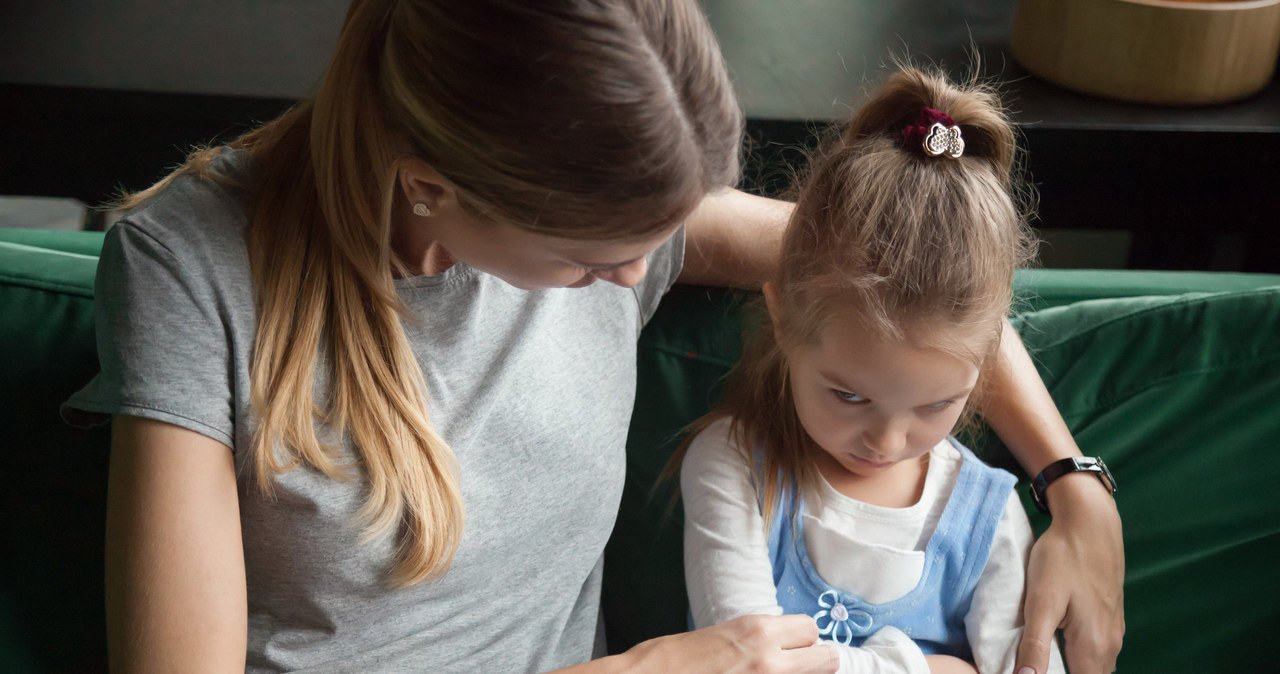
(872, 464)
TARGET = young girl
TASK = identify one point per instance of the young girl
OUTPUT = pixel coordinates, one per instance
(827, 483)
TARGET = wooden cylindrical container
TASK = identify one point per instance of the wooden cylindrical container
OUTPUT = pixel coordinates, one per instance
(1170, 52)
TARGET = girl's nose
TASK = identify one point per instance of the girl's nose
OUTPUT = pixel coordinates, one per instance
(626, 276)
(886, 440)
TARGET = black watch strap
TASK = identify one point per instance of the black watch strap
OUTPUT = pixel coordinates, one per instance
(1074, 464)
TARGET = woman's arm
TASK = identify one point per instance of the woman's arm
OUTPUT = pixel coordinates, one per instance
(175, 583)
(732, 240)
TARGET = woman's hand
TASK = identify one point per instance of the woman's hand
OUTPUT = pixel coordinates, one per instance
(755, 644)
(1075, 580)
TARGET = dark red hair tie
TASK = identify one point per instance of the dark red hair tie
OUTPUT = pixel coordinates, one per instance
(934, 132)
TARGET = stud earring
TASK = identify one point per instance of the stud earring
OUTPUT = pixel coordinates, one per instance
(421, 209)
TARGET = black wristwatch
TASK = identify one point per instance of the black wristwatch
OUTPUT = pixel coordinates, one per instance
(1074, 464)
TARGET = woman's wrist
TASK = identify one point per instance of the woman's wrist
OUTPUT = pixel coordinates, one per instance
(1078, 494)
(1069, 466)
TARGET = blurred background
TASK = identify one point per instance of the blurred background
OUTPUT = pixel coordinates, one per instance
(98, 97)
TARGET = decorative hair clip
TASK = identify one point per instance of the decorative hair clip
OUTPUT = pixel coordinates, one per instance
(935, 132)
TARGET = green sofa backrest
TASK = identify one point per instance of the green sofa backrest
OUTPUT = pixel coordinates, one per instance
(1178, 391)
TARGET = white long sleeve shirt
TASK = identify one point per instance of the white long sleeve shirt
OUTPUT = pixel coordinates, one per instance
(872, 551)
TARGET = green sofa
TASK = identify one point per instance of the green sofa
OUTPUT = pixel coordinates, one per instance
(1174, 378)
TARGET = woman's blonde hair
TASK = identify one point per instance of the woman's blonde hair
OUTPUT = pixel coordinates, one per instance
(572, 119)
(920, 247)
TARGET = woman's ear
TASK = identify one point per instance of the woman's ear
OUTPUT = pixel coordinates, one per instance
(774, 304)
(422, 184)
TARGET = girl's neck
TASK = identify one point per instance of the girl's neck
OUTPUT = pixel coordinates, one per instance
(899, 486)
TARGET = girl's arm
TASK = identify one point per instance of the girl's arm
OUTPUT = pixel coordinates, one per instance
(949, 664)
(175, 583)
(994, 623)
(733, 240)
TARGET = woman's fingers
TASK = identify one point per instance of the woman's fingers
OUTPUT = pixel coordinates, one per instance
(795, 631)
(816, 659)
(755, 644)
(1043, 613)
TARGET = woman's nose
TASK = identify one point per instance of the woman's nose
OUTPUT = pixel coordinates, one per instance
(626, 276)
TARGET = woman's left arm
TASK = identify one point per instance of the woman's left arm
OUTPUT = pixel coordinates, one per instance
(1075, 578)
(732, 240)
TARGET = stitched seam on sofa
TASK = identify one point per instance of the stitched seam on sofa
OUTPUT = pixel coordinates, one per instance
(1199, 297)
(1111, 399)
(685, 355)
(47, 286)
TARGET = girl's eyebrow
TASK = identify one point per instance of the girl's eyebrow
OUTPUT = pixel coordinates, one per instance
(837, 381)
(840, 384)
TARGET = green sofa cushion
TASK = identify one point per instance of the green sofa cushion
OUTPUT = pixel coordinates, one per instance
(1178, 392)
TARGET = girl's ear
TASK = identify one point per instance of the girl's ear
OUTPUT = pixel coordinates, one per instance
(774, 304)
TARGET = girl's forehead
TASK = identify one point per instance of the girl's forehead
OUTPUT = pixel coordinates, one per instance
(972, 340)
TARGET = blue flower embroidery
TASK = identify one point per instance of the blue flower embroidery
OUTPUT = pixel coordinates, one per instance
(836, 621)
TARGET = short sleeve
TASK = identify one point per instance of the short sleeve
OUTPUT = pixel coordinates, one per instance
(664, 265)
(163, 339)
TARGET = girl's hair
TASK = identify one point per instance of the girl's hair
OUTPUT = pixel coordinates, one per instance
(922, 248)
(579, 119)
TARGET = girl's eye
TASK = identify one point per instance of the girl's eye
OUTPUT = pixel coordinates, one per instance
(939, 406)
(850, 397)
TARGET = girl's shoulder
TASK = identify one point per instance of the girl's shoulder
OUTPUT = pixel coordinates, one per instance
(716, 447)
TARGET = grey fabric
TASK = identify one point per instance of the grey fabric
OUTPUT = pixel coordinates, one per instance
(533, 390)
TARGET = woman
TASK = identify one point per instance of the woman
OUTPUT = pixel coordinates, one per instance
(384, 304)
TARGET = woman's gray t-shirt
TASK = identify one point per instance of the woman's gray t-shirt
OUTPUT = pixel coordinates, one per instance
(532, 390)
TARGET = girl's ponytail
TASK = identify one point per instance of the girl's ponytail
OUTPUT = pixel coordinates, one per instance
(976, 108)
